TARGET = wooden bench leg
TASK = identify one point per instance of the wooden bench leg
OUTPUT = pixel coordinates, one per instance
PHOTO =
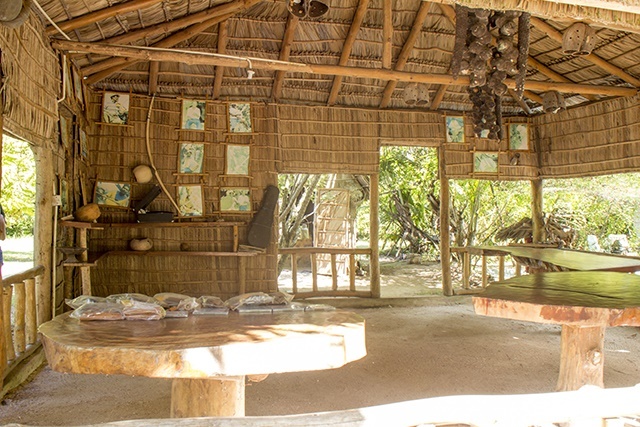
(207, 397)
(581, 357)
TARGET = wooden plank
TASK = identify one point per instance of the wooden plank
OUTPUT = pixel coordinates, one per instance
(356, 23)
(294, 273)
(466, 269)
(19, 317)
(339, 293)
(337, 251)
(22, 368)
(6, 316)
(20, 277)
(387, 33)
(242, 275)
(285, 51)
(223, 33)
(374, 234)
(31, 323)
(184, 253)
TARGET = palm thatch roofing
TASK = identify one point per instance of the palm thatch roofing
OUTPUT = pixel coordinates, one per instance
(360, 54)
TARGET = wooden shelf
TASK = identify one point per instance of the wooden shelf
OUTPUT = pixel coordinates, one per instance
(100, 226)
(183, 253)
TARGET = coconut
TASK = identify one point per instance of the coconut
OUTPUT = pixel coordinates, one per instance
(87, 213)
(141, 244)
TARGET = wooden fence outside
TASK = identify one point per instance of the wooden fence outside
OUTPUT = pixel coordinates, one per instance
(18, 324)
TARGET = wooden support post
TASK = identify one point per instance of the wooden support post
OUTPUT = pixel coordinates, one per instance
(387, 33)
(445, 245)
(6, 318)
(242, 274)
(82, 243)
(352, 272)
(235, 238)
(518, 269)
(207, 397)
(374, 226)
(466, 269)
(314, 272)
(85, 279)
(582, 357)
(536, 211)
(334, 273)
(44, 230)
(294, 272)
(31, 327)
(19, 324)
(485, 279)
(501, 267)
(3, 340)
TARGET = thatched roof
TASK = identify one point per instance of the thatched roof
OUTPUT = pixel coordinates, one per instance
(341, 55)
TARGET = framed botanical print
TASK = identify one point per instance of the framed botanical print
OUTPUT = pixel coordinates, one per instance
(115, 194)
(64, 195)
(190, 157)
(77, 86)
(193, 114)
(190, 200)
(66, 131)
(240, 118)
(115, 108)
(518, 137)
(235, 199)
(84, 146)
(454, 128)
(237, 159)
(485, 162)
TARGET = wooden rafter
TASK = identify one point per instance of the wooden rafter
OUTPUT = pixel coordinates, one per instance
(221, 12)
(387, 33)
(356, 22)
(223, 33)
(401, 62)
(593, 58)
(620, 6)
(572, 10)
(285, 51)
(520, 102)
(437, 98)
(154, 68)
(533, 96)
(138, 53)
(99, 15)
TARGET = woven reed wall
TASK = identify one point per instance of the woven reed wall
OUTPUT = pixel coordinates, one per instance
(117, 149)
(31, 83)
(598, 139)
(459, 156)
(341, 140)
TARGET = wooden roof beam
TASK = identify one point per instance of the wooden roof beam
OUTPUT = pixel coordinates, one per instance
(356, 22)
(154, 68)
(139, 53)
(437, 98)
(520, 102)
(597, 11)
(533, 96)
(593, 58)
(99, 15)
(285, 51)
(401, 62)
(387, 33)
(223, 33)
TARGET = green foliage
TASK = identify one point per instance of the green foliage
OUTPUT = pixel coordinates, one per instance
(18, 187)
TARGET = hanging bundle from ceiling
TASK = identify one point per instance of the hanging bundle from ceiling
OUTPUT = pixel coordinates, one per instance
(489, 59)
(307, 8)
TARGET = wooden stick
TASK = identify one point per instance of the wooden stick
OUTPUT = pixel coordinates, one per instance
(294, 273)
(485, 278)
(6, 316)
(222, 49)
(374, 232)
(285, 51)
(31, 326)
(356, 23)
(532, 96)
(314, 272)
(537, 209)
(19, 323)
(334, 273)
(500, 267)
(401, 62)
(352, 272)
(520, 102)
(437, 98)
(194, 58)
(99, 15)
(387, 33)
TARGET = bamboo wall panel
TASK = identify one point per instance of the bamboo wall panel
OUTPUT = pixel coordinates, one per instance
(459, 156)
(598, 139)
(117, 149)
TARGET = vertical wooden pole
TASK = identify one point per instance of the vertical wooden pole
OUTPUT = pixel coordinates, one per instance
(466, 269)
(352, 272)
(44, 230)
(518, 269)
(374, 227)
(334, 273)
(19, 324)
(536, 211)
(207, 397)
(3, 341)
(85, 279)
(242, 274)
(581, 357)
(6, 318)
(314, 272)
(294, 272)
(501, 267)
(445, 245)
(485, 279)
(387, 33)
(31, 327)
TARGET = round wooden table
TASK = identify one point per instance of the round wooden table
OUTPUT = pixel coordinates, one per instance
(207, 357)
(583, 302)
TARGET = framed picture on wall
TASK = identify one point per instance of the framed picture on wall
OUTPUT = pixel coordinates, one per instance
(240, 118)
(66, 131)
(64, 195)
(77, 86)
(454, 128)
(190, 200)
(237, 159)
(235, 199)
(190, 157)
(115, 108)
(193, 114)
(114, 194)
(518, 136)
(485, 162)
(84, 146)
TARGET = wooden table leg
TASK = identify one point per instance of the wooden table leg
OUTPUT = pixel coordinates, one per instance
(207, 397)
(581, 357)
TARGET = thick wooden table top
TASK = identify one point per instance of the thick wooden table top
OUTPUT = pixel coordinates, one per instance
(573, 297)
(205, 346)
(566, 258)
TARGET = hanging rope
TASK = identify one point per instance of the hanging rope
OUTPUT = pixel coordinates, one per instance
(153, 166)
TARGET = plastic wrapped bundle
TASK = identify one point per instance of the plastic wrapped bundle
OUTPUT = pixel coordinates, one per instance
(143, 311)
(83, 299)
(99, 311)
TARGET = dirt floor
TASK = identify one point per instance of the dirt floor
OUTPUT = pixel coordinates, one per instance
(417, 348)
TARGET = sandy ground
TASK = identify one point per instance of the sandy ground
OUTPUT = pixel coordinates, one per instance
(417, 348)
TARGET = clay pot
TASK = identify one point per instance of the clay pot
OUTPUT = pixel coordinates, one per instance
(87, 213)
(141, 244)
